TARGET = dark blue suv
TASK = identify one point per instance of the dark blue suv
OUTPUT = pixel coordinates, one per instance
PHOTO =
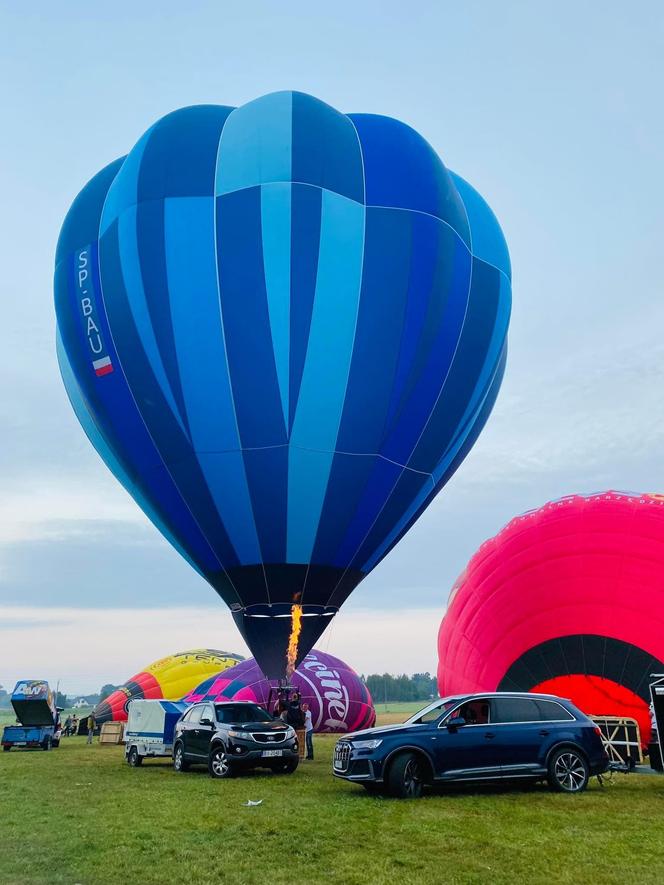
(480, 737)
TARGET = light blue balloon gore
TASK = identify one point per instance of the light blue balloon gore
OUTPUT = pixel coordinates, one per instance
(282, 328)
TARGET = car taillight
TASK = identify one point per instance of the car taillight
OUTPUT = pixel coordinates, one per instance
(598, 731)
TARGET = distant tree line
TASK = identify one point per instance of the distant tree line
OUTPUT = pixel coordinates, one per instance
(418, 687)
(66, 700)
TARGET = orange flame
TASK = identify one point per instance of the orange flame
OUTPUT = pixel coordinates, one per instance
(294, 639)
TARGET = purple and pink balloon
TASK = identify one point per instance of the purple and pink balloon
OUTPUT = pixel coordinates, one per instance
(339, 700)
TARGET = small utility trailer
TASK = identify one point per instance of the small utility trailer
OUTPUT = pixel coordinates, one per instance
(38, 725)
(150, 727)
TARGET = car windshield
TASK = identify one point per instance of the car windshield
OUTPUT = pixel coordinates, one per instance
(433, 711)
(239, 714)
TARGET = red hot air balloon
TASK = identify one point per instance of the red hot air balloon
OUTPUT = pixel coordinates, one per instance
(567, 599)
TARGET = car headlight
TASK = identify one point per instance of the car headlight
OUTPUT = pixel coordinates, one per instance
(367, 745)
(239, 734)
(290, 732)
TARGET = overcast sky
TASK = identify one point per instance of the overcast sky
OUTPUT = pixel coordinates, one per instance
(552, 110)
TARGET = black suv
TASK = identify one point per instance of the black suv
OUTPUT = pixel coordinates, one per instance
(230, 736)
(482, 737)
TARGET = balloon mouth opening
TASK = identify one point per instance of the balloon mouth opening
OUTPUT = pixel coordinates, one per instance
(268, 631)
(282, 610)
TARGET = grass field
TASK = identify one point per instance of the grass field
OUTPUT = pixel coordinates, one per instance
(79, 814)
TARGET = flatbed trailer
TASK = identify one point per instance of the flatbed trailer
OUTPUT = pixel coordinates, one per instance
(29, 736)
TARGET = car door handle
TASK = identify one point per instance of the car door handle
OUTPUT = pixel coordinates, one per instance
(489, 736)
(544, 732)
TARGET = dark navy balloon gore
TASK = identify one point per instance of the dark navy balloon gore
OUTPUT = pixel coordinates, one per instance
(282, 328)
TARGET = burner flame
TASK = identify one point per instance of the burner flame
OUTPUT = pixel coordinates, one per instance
(294, 639)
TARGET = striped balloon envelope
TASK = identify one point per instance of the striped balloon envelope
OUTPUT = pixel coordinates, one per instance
(168, 678)
(567, 599)
(338, 699)
(282, 327)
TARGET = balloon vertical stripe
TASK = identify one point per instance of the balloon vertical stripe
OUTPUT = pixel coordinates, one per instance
(276, 226)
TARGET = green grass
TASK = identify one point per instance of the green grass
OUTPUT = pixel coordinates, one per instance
(397, 711)
(79, 814)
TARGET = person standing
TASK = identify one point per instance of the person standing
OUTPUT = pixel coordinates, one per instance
(91, 728)
(295, 719)
(308, 731)
(67, 726)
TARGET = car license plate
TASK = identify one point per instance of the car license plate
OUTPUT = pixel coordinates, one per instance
(272, 753)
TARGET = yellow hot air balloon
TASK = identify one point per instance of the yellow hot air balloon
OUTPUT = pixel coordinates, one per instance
(169, 678)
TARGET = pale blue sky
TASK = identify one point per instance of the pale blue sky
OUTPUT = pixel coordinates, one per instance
(552, 110)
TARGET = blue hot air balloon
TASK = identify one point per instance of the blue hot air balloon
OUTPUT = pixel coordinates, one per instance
(282, 328)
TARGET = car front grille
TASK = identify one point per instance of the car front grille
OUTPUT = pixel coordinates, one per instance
(341, 757)
(270, 737)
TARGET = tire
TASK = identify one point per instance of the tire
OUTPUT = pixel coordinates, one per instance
(179, 762)
(134, 759)
(219, 765)
(406, 776)
(47, 744)
(6, 749)
(568, 771)
(56, 743)
(287, 767)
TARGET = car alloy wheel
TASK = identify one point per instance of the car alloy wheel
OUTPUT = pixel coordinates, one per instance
(178, 759)
(219, 764)
(406, 776)
(412, 779)
(570, 772)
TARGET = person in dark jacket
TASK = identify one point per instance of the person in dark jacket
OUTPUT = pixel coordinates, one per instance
(295, 718)
(295, 715)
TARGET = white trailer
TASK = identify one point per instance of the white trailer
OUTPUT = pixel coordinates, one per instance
(150, 727)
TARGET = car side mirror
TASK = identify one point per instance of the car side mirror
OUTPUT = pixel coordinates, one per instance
(455, 722)
(206, 722)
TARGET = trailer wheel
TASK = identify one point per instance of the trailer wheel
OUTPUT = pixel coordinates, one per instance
(134, 759)
(6, 748)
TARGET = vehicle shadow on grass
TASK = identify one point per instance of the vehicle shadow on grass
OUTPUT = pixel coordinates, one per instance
(201, 771)
(460, 791)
